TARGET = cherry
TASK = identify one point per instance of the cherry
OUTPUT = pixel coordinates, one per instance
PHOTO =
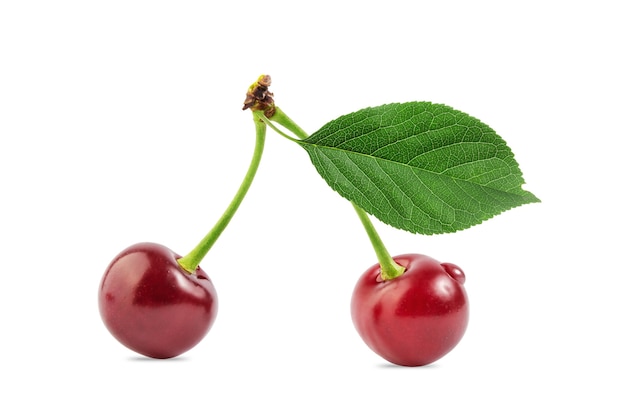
(410, 309)
(415, 318)
(158, 303)
(152, 305)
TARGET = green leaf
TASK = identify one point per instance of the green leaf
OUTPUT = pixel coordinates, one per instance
(422, 167)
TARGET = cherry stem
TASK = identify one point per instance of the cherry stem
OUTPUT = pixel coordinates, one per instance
(389, 268)
(282, 119)
(191, 261)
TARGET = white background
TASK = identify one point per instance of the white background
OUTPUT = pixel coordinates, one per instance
(121, 122)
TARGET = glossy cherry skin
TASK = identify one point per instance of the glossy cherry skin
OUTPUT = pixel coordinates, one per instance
(415, 319)
(152, 305)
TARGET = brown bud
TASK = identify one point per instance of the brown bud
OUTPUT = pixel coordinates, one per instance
(259, 98)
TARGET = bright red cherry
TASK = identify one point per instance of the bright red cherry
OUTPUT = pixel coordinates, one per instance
(154, 306)
(416, 318)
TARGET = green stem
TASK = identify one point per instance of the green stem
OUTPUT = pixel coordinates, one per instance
(191, 261)
(282, 119)
(389, 269)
